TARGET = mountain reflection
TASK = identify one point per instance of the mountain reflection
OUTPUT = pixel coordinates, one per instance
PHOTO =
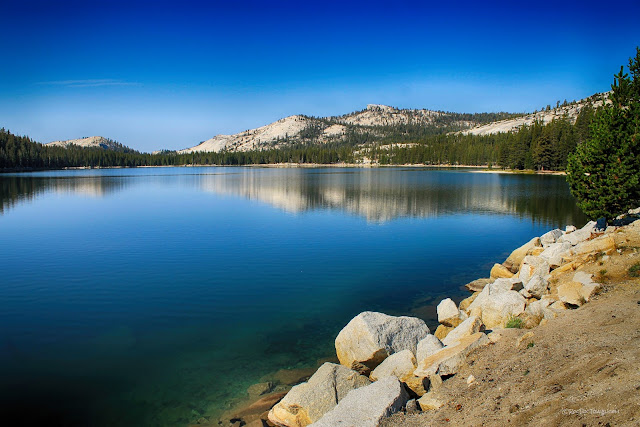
(379, 195)
(15, 190)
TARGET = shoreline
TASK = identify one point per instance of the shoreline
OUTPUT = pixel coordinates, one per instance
(478, 168)
(610, 286)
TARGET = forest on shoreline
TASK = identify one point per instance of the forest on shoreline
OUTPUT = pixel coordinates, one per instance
(538, 146)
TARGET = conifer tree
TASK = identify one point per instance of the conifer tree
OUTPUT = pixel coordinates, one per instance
(604, 171)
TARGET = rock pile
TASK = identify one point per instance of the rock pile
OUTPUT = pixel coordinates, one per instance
(388, 363)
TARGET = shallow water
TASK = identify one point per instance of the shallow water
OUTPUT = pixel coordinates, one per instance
(156, 296)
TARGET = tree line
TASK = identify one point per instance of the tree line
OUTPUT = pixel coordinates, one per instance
(538, 146)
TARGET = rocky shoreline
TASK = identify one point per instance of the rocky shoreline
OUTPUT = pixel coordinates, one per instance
(395, 365)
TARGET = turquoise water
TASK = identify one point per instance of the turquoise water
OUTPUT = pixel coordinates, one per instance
(156, 296)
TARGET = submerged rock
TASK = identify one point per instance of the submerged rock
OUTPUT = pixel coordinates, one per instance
(371, 337)
(367, 406)
(308, 402)
(478, 284)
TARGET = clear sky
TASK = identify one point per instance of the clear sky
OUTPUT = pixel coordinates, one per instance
(171, 74)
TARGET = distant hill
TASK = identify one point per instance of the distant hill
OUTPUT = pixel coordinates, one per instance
(568, 110)
(376, 123)
(94, 142)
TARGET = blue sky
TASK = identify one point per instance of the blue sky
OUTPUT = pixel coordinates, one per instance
(171, 74)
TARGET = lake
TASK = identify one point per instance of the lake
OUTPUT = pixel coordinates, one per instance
(156, 296)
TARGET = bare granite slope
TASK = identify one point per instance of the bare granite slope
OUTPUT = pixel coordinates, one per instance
(91, 142)
(569, 111)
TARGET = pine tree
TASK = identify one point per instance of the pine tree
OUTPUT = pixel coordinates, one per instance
(604, 171)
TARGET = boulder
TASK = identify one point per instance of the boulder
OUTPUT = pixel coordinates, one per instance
(571, 293)
(535, 251)
(529, 320)
(555, 253)
(427, 346)
(556, 307)
(569, 229)
(412, 407)
(589, 287)
(430, 402)
(370, 337)
(400, 365)
(501, 307)
(367, 406)
(551, 237)
(515, 259)
(577, 236)
(582, 277)
(537, 286)
(442, 331)
(496, 305)
(502, 285)
(465, 303)
(590, 290)
(532, 265)
(635, 211)
(449, 360)
(600, 244)
(499, 271)
(478, 284)
(536, 307)
(448, 313)
(470, 326)
(308, 402)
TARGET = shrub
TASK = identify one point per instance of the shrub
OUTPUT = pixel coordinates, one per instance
(514, 322)
(634, 270)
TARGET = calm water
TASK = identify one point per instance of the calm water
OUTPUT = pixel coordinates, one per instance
(156, 296)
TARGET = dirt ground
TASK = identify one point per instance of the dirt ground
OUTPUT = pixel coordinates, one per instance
(580, 369)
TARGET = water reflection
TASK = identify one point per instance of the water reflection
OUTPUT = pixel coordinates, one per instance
(379, 195)
(15, 190)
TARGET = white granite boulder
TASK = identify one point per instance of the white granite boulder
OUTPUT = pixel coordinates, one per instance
(532, 265)
(448, 313)
(470, 326)
(550, 237)
(537, 286)
(555, 253)
(496, 304)
(400, 365)
(367, 406)
(308, 402)
(371, 337)
(450, 359)
(427, 346)
(577, 236)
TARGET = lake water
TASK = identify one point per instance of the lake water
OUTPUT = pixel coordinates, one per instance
(157, 296)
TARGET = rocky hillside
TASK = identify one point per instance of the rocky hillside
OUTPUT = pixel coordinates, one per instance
(570, 111)
(93, 142)
(375, 123)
